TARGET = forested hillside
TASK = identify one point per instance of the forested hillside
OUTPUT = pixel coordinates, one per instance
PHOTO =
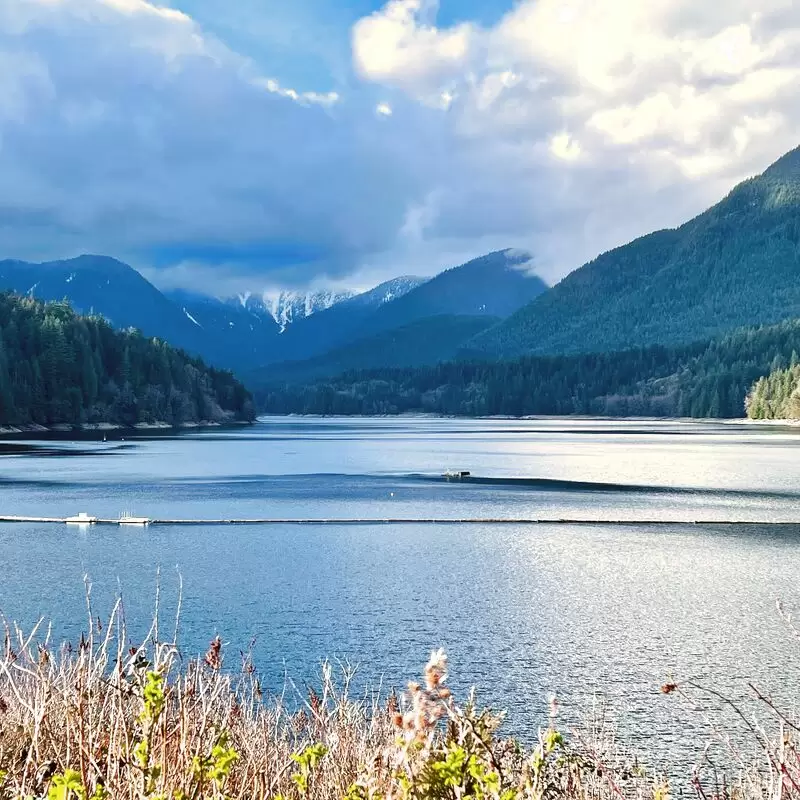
(736, 264)
(58, 367)
(707, 379)
(777, 395)
(426, 341)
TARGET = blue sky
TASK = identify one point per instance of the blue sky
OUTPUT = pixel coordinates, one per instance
(230, 145)
(307, 42)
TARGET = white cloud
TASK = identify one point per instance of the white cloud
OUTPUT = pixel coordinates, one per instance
(326, 99)
(602, 119)
(563, 146)
(126, 129)
(567, 127)
(398, 46)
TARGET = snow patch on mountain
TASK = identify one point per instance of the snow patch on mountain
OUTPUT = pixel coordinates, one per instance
(287, 307)
(192, 318)
(389, 290)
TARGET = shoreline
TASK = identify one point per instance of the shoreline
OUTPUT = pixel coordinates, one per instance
(112, 427)
(546, 417)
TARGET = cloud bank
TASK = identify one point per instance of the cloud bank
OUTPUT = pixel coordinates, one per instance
(568, 127)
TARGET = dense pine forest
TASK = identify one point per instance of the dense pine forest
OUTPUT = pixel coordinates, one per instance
(776, 396)
(58, 367)
(705, 379)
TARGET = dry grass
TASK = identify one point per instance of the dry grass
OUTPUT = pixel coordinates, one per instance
(101, 720)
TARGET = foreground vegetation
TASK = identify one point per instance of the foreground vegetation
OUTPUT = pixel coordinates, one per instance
(57, 367)
(106, 720)
(706, 379)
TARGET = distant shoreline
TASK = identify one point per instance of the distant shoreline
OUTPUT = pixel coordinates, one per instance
(111, 427)
(793, 423)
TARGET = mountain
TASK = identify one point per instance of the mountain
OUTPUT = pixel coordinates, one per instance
(339, 324)
(736, 264)
(492, 286)
(253, 329)
(105, 286)
(426, 341)
(57, 367)
(259, 329)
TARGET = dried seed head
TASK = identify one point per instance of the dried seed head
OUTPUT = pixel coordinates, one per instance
(313, 700)
(214, 654)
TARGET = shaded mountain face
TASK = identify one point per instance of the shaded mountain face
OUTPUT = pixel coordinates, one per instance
(426, 341)
(255, 329)
(341, 323)
(736, 264)
(106, 287)
(493, 286)
(235, 333)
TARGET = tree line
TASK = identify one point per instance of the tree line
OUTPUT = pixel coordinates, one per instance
(703, 379)
(57, 367)
(776, 396)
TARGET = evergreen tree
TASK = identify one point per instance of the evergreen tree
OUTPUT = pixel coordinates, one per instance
(57, 367)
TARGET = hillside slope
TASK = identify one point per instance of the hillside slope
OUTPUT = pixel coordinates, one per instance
(57, 367)
(494, 285)
(703, 379)
(427, 341)
(736, 264)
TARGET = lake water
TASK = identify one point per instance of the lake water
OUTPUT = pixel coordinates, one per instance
(523, 610)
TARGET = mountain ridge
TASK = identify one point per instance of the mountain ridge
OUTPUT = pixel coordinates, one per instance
(735, 264)
(253, 329)
(492, 285)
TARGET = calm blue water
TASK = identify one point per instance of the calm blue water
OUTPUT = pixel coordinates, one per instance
(523, 610)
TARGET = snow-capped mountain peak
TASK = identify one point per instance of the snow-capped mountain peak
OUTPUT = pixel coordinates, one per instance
(287, 307)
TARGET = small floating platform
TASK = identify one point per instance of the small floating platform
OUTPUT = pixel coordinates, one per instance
(81, 519)
(456, 474)
(127, 519)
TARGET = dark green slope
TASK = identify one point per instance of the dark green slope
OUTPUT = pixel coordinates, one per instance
(60, 368)
(736, 264)
(424, 342)
(703, 379)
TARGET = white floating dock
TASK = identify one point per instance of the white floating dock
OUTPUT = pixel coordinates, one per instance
(81, 519)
